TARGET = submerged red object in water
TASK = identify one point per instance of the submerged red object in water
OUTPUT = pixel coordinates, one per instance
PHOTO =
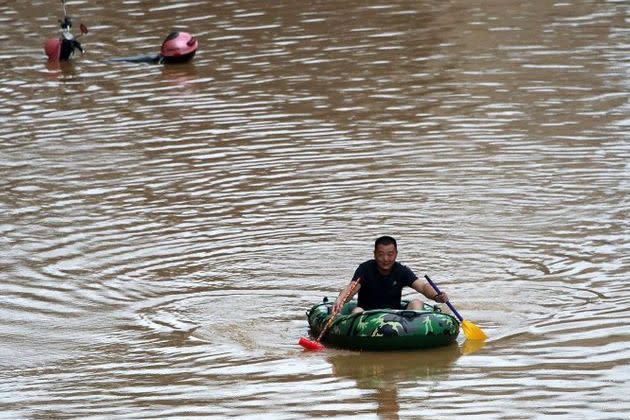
(311, 344)
(52, 48)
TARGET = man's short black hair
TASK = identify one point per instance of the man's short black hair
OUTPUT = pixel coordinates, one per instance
(385, 240)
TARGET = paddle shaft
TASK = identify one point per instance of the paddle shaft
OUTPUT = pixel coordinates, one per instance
(351, 290)
(437, 290)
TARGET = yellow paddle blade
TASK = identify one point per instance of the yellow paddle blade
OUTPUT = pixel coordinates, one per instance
(471, 346)
(473, 332)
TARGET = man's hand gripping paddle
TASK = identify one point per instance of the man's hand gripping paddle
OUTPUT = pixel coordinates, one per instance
(471, 331)
(316, 344)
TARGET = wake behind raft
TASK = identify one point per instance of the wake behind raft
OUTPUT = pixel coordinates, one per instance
(384, 329)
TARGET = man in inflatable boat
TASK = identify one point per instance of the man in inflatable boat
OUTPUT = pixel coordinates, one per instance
(382, 280)
(178, 47)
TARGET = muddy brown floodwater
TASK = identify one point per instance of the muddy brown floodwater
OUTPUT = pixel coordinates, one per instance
(164, 229)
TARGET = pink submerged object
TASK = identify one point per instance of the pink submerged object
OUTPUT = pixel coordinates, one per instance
(178, 47)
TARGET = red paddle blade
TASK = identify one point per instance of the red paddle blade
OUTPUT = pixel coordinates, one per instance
(310, 344)
(83, 28)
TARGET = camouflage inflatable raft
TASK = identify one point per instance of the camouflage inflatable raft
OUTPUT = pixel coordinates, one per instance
(384, 329)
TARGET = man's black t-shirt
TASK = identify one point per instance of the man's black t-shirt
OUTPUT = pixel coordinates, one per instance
(378, 291)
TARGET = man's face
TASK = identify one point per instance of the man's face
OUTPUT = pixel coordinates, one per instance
(385, 256)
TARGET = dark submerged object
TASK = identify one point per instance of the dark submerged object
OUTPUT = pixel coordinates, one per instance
(63, 47)
(177, 47)
(384, 329)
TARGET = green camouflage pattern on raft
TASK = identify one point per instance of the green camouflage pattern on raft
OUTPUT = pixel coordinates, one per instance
(384, 329)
